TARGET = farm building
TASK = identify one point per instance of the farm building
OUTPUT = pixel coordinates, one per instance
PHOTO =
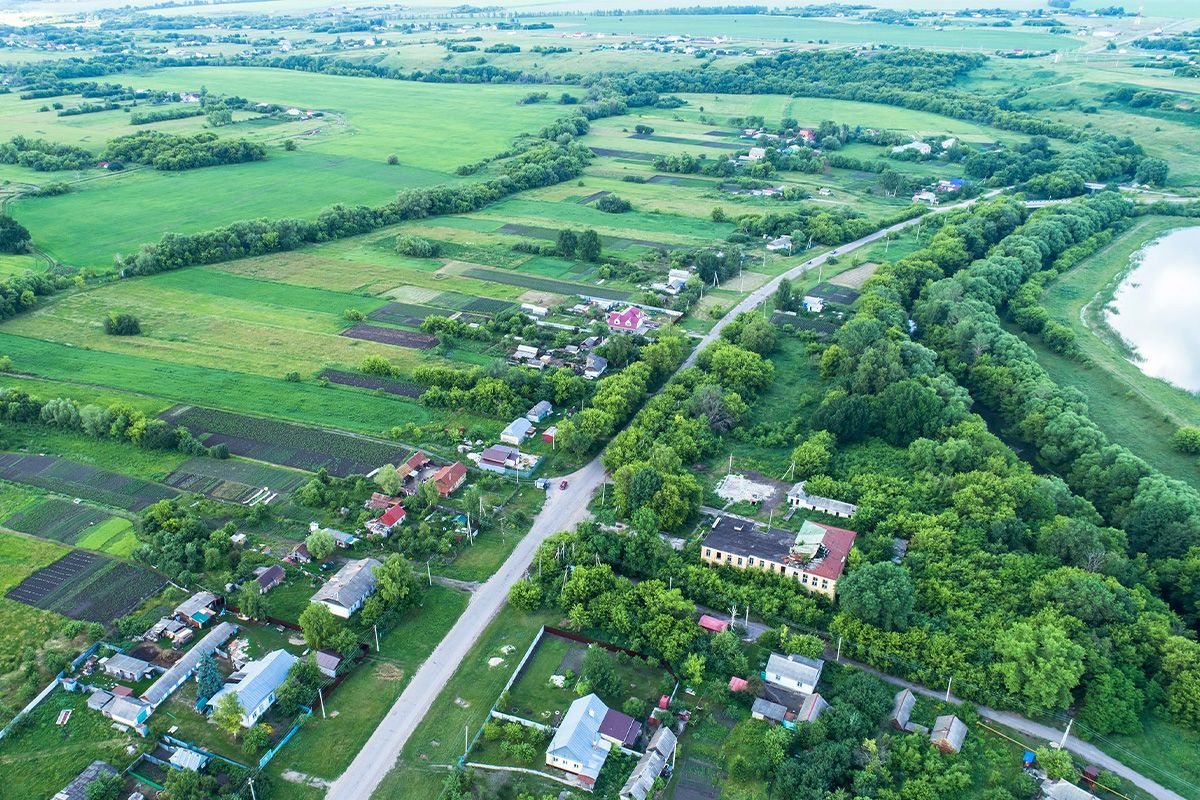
(517, 431)
(712, 624)
(798, 498)
(349, 588)
(813, 304)
(577, 746)
(269, 578)
(384, 524)
(182, 669)
(630, 320)
(255, 684)
(412, 465)
(77, 788)
(300, 554)
(902, 709)
(921, 147)
(197, 610)
(499, 458)
(815, 555)
(540, 411)
(449, 478)
(948, 733)
(1062, 789)
(594, 366)
(660, 752)
(126, 667)
(328, 662)
(794, 673)
(173, 629)
(766, 710)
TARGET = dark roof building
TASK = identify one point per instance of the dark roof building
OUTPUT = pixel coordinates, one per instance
(271, 577)
(77, 789)
(621, 729)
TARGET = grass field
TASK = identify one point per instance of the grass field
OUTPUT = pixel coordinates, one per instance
(341, 158)
(1132, 408)
(324, 747)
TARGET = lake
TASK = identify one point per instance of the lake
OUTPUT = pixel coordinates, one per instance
(1156, 309)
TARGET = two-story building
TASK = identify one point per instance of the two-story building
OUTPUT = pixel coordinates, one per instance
(815, 555)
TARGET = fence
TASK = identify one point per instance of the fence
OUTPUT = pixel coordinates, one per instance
(267, 756)
(49, 688)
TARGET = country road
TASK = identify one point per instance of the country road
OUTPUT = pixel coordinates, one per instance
(564, 509)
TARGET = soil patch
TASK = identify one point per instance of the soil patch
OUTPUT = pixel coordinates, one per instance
(594, 196)
(392, 336)
(361, 381)
(629, 154)
(855, 278)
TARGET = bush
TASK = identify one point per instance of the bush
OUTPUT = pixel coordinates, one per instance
(613, 204)
(354, 315)
(289, 145)
(416, 247)
(122, 325)
(1187, 440)
(393, 159)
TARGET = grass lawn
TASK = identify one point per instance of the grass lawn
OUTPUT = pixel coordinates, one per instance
(325, 747)
(42, 757)
(128, 459)
(465, 703)
(1133, 409)
(289, 599)
(1163, 751)
(114, 536)
(25, 632)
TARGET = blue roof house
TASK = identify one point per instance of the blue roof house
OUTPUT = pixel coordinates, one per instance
(577, 746)
(516, 431)
(255, 685)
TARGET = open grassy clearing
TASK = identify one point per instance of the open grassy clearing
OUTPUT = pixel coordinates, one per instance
(341, 158)
(324, 747)
(1132, 408)
(123, 457)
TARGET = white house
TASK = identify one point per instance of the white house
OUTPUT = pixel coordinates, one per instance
(516, 431)
(255, 684)
(577, 746)
(794, 672)
(349, 588)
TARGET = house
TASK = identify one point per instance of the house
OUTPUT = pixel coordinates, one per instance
(182, 669)
(449, 478)
(269, 578)
(590, 342)
(948, 733)
(781, 243)
(620, 729)
(540, 411)
(550, 434)
(516, 431)
(902, 708)
(812, 708)
(499, 458)
(300, 554)
(594, 366)
(577, 746)
(328, 662)
(525, 352)
(952, 185)
(766, 710)
(534, 311)
(341, 538)
(238, 539)
(798, 498)
(349, 588)
(712, 624)
(631, 320)
(794, 673)
(929, 198)
(128, 711)
(388, 520)
(815, 555)
(379, 502)
(126, 667)
(1062, 789)
(813, 304)
(77, 788)
(660, 752)
(254, 685)
(737, 684)
(197, 610)
(755, 154)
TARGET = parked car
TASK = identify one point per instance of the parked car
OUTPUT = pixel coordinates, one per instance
(562, 485)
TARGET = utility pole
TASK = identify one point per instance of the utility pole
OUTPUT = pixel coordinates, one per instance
(376, 627)
(321, 695)
(1066, 733)
(838, 658)
(466, 741)
(730, 468)
(948, 684)
(252, 795)
(429, 573)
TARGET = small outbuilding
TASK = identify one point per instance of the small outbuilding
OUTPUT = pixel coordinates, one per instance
(127, 668)
(712, 624)
(902, 707)
(948, 733)
(766, 710)
(540, 411)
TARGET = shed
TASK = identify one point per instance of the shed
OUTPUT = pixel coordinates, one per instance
(184, 758)
(766, 710)
(328, 662)
(516, 431)
(126, 667)
(1065, 790)
(712, 624)
(948, 733)
(77, 788)
(550, 434)
(902, 708)
(737, 684)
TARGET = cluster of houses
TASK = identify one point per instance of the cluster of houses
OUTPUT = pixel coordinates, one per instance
(789, 691)
(815, 556)
(948, 732)
(588, 733)
(933, 195)
(578, 358)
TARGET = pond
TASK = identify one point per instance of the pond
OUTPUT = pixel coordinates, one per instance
(1156, 309)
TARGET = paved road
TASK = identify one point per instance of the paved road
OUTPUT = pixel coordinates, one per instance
(1089, 752)
(564, 509)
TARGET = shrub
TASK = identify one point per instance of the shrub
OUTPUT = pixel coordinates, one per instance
(393, 159)
(1187, 440)
(289, 145)
(122, 325)
(644, 130)
(613, 204)
(415, 246)
(354, 315)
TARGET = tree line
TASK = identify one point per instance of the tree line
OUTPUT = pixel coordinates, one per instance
(173, 152)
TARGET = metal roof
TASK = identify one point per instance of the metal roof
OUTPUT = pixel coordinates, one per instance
(197, 602)
(795, 667)
(350, 584)
(578, 737)
(765, 708)
(170, 680)
(119, 662)
(77, 789)
(259, 679)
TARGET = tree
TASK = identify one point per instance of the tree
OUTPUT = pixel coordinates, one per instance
(14, 237)
(185, 784)
(783, 295)
(319, 625)
(208, 679)
(228, 713)
(812, 456)
(415, 246)
(525, 596)
(589, 246)
(250, 601)
(1151, 171)
(397, 585)
(567, 244)
(1038, 663)
(1056, 763)
(106, 787)
(881, 594)
(289, 145)
(121, 324)
(600, 674)
(1187, 440)
(256, 740)
(320, 544)
(388, 480)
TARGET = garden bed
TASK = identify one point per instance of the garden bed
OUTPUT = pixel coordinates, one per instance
(392, 336)
(82, 480)
(361, 381)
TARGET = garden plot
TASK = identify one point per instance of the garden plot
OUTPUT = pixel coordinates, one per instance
(392, 336)
(855, 278)
(551, 234)
(408, 314)
(545, 284)
(233, 481)
(56, 519)
(81, 480)
(284, 443)
(88, 586)
(361, 381)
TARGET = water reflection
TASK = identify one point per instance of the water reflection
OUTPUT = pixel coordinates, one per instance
(1157, 308)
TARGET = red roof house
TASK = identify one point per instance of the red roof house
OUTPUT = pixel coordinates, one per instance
(393, 516)
(737, 684)
(713, 624)
(632, 319)
(449, 478)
